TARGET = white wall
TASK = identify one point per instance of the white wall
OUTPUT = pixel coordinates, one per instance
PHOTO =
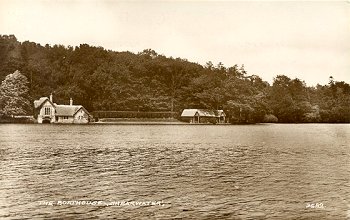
(42, 112)
(81, 117)
(61, 119)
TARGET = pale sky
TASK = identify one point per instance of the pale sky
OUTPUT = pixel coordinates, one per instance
(304, 39)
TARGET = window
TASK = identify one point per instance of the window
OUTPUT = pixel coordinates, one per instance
(47, 111)
(65, 117)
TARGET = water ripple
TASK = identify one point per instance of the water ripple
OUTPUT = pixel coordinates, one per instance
(198, 172)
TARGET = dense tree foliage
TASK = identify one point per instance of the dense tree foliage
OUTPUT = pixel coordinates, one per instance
(14, 95)
(102, 79)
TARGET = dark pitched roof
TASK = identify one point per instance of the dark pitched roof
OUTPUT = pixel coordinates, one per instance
(38, 103)
(67, 110)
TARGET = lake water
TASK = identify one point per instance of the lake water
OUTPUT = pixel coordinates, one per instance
(268, 171)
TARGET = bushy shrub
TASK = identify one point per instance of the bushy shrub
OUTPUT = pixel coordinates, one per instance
(311, 117)
(270, 118)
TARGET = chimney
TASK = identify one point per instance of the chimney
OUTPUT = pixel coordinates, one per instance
(71, 101)
(51, 97)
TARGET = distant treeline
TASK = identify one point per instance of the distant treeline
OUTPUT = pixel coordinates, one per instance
(105, 80)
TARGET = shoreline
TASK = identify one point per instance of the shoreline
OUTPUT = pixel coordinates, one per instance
(148, 121)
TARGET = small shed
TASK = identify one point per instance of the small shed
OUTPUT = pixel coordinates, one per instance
(203, 116)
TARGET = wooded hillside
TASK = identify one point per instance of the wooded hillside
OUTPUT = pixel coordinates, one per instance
(102, 79)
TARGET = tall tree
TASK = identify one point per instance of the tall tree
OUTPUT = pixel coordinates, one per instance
(14, 95)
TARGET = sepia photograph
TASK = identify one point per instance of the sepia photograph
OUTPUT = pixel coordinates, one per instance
(174, 109)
